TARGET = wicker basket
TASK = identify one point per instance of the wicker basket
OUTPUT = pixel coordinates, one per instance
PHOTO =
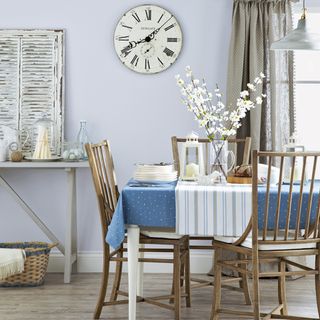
(35, 265)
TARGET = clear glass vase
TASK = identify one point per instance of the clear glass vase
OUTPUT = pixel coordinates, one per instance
(83, 138)
(219, 159)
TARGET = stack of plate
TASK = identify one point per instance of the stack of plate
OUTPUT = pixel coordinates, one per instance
(155, 172)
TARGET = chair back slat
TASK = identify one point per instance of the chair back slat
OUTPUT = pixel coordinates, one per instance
(290, 198)
(285, 209)
(104, 179)
(300, 200)
(276, 222)
(316, 231)
(314, 168)
(266, 208)
(175, 141)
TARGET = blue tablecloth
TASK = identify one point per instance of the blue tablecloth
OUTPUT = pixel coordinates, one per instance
(154, 206)
(146, 205)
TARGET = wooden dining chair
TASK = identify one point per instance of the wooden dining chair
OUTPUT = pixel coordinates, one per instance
(284, 223)
(104, 179)
(246, 144)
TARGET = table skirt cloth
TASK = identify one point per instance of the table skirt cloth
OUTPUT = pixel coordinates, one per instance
(192, 209)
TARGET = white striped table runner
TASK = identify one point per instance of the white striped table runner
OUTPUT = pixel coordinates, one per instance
(219, 210)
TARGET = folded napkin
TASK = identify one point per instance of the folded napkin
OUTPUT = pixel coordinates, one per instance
(11, 262)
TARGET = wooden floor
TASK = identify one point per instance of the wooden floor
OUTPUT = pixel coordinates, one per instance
(56, 300)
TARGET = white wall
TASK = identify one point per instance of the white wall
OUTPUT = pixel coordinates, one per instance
(138, 113)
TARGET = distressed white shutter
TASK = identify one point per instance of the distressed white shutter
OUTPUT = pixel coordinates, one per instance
(32, 83)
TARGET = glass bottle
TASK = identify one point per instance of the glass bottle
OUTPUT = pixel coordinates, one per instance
(83, 138)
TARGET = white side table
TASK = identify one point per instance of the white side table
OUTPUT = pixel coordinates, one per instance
(69, 249)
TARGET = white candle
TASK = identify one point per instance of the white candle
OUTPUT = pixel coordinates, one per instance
(192, 170)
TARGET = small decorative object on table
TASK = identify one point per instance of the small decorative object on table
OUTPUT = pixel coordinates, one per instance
(293, 167)
(72, 151)
(241, 174)
(191, 160)
(3, 150)
(219, 121)
(35, 265)
(83, 138)
(43, 140)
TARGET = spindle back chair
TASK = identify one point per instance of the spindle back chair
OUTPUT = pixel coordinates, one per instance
(284, 223)
(104, 179)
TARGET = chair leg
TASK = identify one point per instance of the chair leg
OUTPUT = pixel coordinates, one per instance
(104, 284)
(317, 280)
(244, 282)
(187, 279)
(217, 285)
(282, 287)
(117, 278)
(255, 279)
(176, 281)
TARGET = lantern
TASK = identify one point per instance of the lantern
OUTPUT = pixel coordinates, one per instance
(191, 159)
(294, 164)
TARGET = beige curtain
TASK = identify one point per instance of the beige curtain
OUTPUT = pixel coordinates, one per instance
(255, 25)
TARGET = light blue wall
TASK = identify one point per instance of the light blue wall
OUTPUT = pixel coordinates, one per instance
(138, 113)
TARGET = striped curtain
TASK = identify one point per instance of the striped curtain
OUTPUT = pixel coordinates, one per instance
(255, 25)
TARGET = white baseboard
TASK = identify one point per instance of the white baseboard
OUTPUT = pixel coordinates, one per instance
(200, 262)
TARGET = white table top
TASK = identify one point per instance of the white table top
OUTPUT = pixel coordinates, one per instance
(43, 165)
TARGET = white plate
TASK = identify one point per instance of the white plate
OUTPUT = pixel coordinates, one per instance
(43, 160)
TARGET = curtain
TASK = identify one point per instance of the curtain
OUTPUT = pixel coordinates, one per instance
(255, 25)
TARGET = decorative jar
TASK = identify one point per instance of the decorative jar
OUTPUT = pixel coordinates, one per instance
(44, 144)
(72, 151)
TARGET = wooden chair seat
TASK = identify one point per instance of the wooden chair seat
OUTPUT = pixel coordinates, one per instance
(247, 243)
(159, 234)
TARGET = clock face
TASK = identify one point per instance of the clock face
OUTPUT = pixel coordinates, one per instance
(148, 39)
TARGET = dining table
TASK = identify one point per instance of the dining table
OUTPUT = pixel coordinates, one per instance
(190, 208)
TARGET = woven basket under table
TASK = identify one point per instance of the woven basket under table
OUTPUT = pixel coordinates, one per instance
(35, 265)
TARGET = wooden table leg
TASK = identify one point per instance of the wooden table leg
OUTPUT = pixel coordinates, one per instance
(31, 214)
(133, 233)
(70, 257)
(140, 274)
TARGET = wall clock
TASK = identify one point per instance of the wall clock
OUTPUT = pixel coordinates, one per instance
(148, 39)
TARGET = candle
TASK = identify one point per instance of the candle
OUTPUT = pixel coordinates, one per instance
(192, 170)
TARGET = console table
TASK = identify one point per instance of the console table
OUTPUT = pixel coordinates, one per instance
(69, 249)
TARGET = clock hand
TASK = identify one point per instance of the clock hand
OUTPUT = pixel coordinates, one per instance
(153, 33)
(133, 44)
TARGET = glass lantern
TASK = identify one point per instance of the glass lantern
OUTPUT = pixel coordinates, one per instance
(191, 159)
(291, 164)
(44, 144)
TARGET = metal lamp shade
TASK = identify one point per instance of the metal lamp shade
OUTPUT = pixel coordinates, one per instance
(298, 39)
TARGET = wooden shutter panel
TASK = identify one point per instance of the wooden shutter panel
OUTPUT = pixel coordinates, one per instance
(38, 80)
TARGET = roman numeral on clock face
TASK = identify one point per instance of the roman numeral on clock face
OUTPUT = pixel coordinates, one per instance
(135, 60)
(161, 63)
(172, 39)
(168, 52)
(147, 64)
(148, 14)
(136, 17)
(123, 38)
(169, 27)
(160, 17)
(125, 51)
(125, 26)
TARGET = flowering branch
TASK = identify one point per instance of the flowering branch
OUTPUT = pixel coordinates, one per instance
(219, 121)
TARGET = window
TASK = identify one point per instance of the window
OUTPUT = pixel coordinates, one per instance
(307, 89)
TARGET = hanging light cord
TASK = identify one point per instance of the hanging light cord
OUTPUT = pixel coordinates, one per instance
(303, 16)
